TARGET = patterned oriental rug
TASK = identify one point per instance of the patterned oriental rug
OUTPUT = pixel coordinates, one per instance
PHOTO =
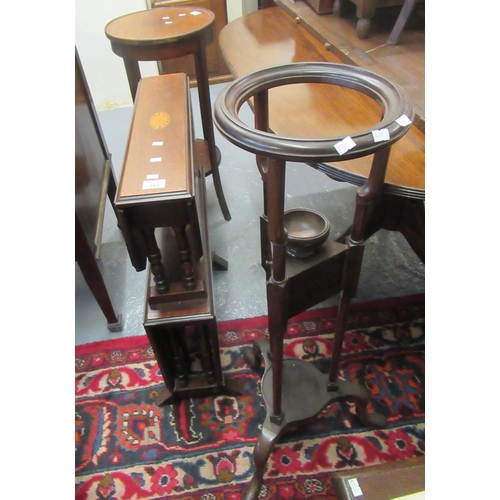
(201, 448)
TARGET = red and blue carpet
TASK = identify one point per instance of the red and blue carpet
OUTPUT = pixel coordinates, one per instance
(129, 448)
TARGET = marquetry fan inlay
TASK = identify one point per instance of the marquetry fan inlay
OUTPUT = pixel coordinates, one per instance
(159, 120)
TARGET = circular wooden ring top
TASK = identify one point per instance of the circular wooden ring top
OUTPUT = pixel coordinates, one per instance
(397, 113)
(159, 25)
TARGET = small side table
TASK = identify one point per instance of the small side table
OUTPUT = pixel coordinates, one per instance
(166, 33)
(156, 188)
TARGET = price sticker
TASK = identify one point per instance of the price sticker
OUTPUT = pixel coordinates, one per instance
(344, 145)
(381, 135)
(154, 184)
(355, 488)
(403, 120)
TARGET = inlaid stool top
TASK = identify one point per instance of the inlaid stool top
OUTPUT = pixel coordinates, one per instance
(159, 25)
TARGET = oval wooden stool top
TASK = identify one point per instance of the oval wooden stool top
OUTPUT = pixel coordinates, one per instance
(161, 33)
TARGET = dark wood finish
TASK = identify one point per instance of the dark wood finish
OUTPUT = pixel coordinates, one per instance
(161, 205)
(321, 6)
(365, 11)
(167, 33)
(401, 22)
(166, 324)
(157, 183)
(382, 482)
(404, 64)
(216, 66)
(94, 180)
(286, 381)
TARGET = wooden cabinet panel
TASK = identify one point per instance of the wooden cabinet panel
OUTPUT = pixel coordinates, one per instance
(217, 68)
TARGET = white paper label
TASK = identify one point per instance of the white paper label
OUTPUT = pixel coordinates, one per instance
(154, 184)
(355, 488)
(155, 160)
(380, 135)
(157, 143)
(344, 145)
(182, 15)
(403, 120)
(168, 22)
(152, 176)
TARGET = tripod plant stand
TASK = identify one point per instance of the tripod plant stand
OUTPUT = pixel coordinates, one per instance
(294, 390)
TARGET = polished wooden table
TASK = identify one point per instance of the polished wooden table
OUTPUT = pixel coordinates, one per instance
(167, 33)
(156, 186)
(161, 206)
(271, 37)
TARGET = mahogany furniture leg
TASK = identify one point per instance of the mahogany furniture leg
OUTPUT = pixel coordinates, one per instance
(133, 75)
(154, 257)
(404, 15)
(262, 451)
(93, 278)
(184, 252)
(200, 60)
(181, 370)
(206, 354)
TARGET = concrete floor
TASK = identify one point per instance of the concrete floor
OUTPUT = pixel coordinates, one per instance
(390, 268)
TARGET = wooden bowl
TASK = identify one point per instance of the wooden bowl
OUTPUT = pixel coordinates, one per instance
(307, 231)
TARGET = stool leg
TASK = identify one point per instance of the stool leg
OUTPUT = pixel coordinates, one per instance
(208, 128)
(184, 251)
(154, 257)
(179, 356)
(133, 75)
(206, 354)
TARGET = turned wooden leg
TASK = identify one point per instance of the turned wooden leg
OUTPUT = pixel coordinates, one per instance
(154, 257)
(352, 269)
(184, 252)
(207, 363)
(179, 356)
(363, 28)
(365, 12)
(276, 294)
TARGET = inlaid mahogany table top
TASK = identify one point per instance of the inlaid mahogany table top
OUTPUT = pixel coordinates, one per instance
(270, 37)
(159, 146)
